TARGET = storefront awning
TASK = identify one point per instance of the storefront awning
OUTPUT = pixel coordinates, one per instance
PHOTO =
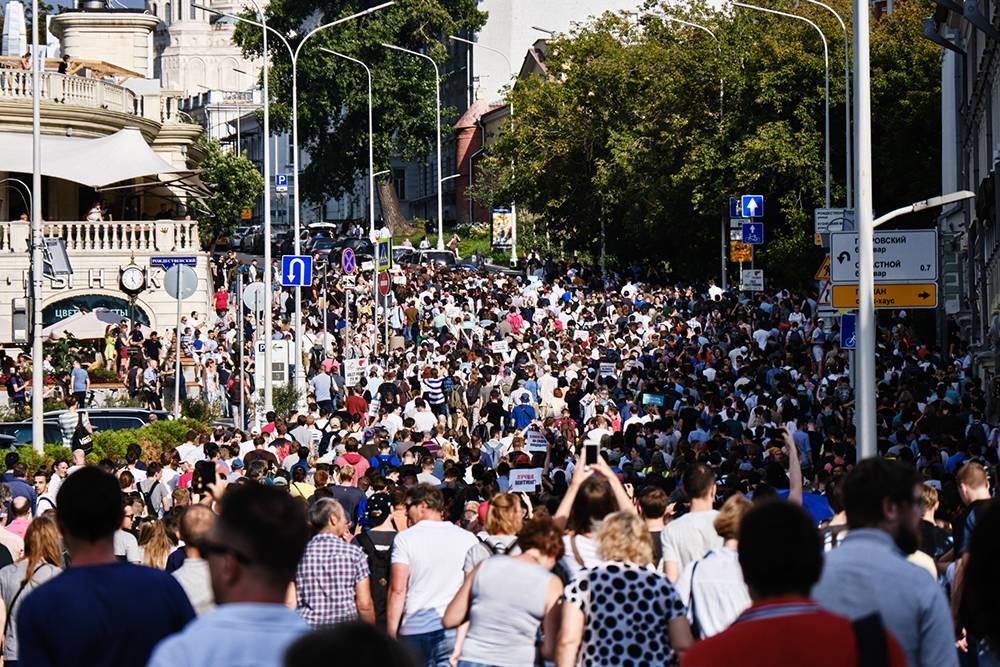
(97, 163)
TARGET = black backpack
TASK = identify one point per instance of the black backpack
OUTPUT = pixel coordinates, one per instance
(147, 496)
(379, 564)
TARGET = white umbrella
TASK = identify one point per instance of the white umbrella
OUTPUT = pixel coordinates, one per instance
(85, 325)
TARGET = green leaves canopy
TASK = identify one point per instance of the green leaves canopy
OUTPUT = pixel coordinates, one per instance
(333, 92)
(236, 184)
(628, 125)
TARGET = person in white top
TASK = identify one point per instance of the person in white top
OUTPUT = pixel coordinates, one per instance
(712, 588)
(426, 572)
(691, 536)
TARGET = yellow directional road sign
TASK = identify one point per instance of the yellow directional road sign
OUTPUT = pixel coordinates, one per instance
(893, 295)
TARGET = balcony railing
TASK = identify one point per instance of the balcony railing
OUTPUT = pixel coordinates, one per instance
(147, 236)
(73, 90)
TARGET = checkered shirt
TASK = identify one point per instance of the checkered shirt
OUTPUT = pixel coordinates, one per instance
(325, 581)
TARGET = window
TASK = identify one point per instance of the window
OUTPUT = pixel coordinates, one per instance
(194, 11)
(399, 180)
(168, 13)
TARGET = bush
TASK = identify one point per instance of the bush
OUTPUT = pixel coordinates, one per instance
(53, 452)
(285, 400)
(200, 410)
(154, 438)
(104, 376)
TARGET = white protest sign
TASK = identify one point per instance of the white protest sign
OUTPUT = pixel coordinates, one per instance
(607, 369)
(525, 480)
(500, 347)
(535, 441)
(354, 371)
(581, 334)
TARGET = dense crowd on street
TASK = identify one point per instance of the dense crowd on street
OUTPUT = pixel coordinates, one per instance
(544, 468)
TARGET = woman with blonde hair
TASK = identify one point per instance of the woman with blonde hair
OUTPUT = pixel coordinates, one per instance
(42, 560)
(155, 544)
(713, 588)
(503, 523)
(603, 602)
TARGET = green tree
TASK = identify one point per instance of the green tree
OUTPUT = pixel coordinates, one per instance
(628, 128)
(333, 104)
(235, 183)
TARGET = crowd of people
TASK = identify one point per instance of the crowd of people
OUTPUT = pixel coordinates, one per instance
(532, 469)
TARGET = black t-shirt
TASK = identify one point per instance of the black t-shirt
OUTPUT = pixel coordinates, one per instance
(151, 348)
(934, 541)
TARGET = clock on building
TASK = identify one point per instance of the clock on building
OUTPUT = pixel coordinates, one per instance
(133, 280)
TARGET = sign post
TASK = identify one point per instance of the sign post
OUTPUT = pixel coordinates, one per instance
(181, 282)
(901, 256)
(752, 280)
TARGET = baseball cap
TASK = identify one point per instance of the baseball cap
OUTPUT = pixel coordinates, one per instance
(279, 481)
(378, 507)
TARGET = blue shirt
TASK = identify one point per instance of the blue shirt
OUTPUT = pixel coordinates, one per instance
(522, 415)
(233, 634)
(80, 378)
(100, 615)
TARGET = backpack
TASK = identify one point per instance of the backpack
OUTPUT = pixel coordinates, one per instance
(379, 564)
(147, 497)
(975, 434)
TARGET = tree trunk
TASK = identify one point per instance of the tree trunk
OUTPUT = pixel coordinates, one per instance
(392, 214)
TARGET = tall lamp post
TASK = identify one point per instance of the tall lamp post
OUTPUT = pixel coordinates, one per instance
(37, 372)
(848, 141)
(300, 374)
(437, 89)
(826, 60)
(722, 92)
(371, 190)
(513, 205)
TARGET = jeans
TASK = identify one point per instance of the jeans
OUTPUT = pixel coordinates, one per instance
(431, 649)
(466, 663)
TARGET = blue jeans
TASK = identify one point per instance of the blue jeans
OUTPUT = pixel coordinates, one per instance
(466, 663)
(431, 649)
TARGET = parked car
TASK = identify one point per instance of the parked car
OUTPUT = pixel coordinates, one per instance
(102, 419)
(476, 262)
(21, 432)
(439, 257)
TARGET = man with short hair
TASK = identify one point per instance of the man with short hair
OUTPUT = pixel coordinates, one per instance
(253, 549)
(80, 381)
(426, 572)
(869, 572)
(781, 557)
(155, 493)
(99, 612)
(46, 498)
(20, 509)
(193, 575)
(691, 536)
(332, 584)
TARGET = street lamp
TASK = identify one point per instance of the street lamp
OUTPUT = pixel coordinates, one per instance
(849, 148)
(37, 372)
(371, 188)
(300, 377)
(437, 88)
(933, 202)
(826, 60)
(513, 205)
(718, 48)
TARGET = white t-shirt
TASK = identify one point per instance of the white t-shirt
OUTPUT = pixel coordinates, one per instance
(719, 592)
(690, 537)
(435, 553)
(586, 547)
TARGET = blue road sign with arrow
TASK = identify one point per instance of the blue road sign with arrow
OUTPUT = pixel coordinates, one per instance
(296, 270)
(752, 206)
(848, 331)
(753, 232)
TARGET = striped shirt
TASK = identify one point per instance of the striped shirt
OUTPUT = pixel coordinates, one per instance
(432, 390)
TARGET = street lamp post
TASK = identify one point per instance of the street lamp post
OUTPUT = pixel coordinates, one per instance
(371, 187)
(437, 89)
(718, 48)
(848, 143)
(826, 60)
(300, 377)
(513, 205)
(37, 371)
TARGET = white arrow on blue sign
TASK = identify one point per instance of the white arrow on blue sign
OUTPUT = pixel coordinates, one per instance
(752, 206)
(296, 270)
(848, 331)
(753, 232)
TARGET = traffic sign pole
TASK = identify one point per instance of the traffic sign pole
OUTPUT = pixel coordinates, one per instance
(241, 424)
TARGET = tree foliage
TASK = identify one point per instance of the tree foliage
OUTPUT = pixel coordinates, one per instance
(628, 126)
(333, 92)
(235, 183)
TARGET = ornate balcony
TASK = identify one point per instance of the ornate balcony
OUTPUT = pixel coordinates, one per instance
(73, 90)
(124, 238)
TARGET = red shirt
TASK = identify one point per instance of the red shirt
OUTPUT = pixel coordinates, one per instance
(356, 405)
(785, 631)
(221, 300)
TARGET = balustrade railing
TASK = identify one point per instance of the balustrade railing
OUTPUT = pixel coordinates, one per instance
(64, 89)
(146, 236)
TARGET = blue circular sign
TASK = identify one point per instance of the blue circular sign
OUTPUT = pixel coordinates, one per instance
(348, 261)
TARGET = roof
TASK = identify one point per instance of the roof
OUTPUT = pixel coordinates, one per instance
(121, 156)
(475, 112)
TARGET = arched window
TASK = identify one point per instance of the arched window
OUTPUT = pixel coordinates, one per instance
(167, 13)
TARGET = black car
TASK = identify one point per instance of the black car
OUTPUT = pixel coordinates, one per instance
(19, 433)
(439, 257)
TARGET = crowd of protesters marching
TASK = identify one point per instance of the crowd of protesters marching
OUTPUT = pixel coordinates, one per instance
(545, 468)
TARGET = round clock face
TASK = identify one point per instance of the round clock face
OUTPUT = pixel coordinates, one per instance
(132, 278)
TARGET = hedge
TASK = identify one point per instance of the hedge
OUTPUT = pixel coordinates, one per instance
(154, 438)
